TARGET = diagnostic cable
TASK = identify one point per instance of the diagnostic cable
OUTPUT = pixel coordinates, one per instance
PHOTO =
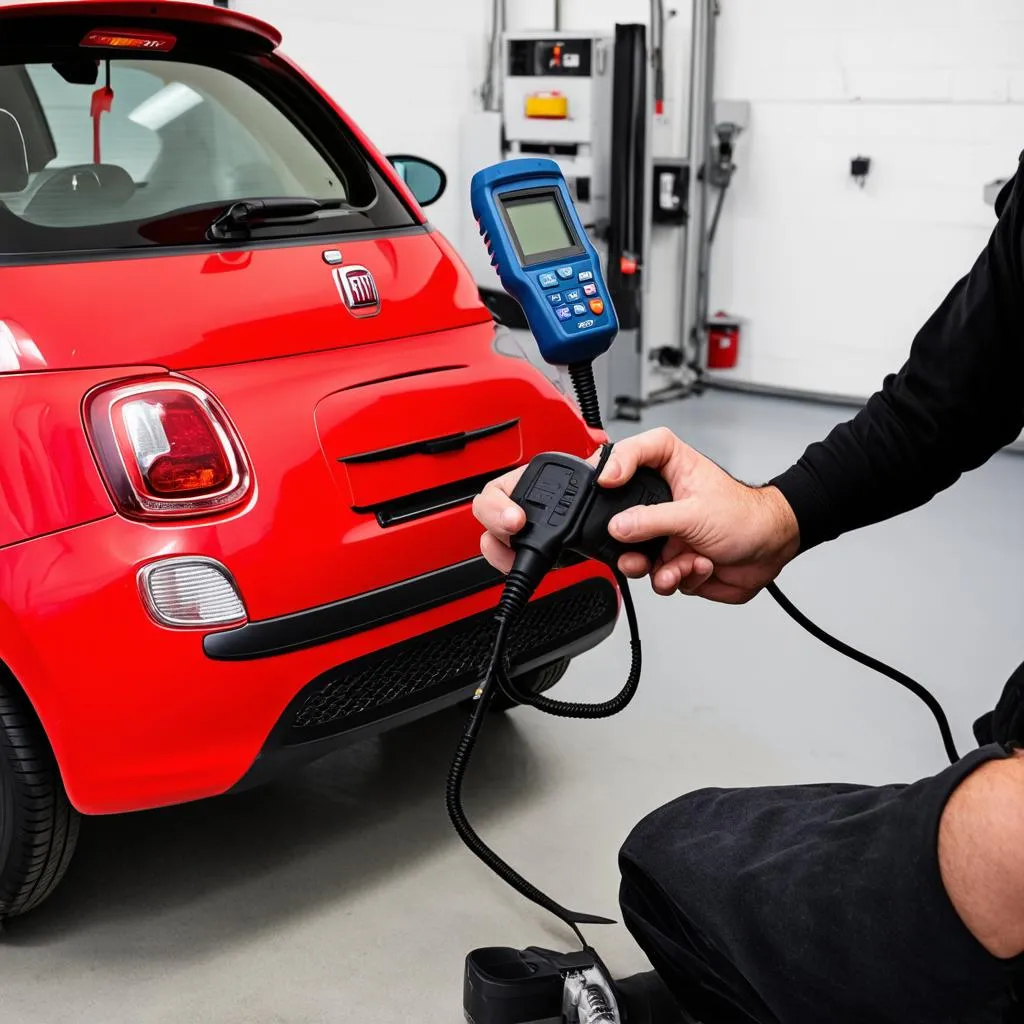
(546, 262)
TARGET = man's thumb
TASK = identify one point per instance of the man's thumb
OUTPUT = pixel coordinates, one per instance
(644, 522)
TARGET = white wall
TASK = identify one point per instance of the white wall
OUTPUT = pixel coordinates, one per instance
(835, 280)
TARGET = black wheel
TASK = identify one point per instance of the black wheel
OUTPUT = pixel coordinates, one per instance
(538, 681)
(38, 826)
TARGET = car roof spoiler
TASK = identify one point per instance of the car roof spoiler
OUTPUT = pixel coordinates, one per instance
(191, 21)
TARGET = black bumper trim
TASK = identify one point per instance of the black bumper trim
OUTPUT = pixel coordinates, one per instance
(287, 748)
(329, 622)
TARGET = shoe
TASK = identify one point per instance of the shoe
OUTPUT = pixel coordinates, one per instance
(646, 999)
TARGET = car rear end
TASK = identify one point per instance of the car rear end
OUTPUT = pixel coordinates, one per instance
(238, 529)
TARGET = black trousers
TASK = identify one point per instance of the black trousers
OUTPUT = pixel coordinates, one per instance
(811, 905)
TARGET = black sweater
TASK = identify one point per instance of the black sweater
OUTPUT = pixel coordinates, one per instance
(957, 401)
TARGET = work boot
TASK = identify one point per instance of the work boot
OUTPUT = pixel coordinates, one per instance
(646, 999)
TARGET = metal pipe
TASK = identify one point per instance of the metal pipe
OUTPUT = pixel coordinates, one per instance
(656, 46)
(558, 15)
(697, 211)
(704, 273)
(490, 91)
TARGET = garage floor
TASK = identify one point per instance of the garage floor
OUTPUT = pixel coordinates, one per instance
(342, 895)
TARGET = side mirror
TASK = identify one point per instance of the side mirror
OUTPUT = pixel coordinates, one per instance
(425, 179)
(13, 155)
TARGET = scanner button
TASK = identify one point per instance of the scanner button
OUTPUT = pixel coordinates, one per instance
(547, 280)
(565, 273)
(590, 289)
(579, 309)
(563, 312)
(586, 275)
(597, 306)
(555, 298)
(573, 296)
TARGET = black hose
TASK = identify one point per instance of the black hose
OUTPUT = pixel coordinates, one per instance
(585, 386)
(519, 587)
(720, 202)
(873, 663)
(513, 601)
(576, 709)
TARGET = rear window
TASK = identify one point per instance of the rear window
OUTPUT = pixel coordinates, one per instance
(169, 147)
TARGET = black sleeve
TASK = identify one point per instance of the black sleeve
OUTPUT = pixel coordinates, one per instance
(957, 401)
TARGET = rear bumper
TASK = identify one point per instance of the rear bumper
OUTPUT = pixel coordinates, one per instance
(428, 673)
(141, 716)
(351, 615)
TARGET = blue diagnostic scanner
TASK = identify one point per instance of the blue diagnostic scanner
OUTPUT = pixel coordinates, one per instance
(544, 258)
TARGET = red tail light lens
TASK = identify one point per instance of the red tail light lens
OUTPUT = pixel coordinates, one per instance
(154, 42)
(167, 449)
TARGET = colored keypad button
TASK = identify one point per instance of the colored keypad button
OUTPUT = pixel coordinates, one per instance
(565, 273)
(555, 298)
(548, 280)
(579, 309)
(573, 296)
(597, 306)
(589, 289)
(586, 275)
(563, 313)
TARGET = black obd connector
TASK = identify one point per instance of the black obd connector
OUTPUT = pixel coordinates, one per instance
(568, 510)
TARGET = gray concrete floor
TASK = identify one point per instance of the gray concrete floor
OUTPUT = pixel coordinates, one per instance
(342, 895)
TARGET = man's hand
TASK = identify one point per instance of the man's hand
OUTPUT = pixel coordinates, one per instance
(727, 540)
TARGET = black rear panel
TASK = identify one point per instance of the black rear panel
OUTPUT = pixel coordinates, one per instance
(444, 661)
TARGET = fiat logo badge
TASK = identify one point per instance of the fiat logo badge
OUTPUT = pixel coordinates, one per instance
(358, 291)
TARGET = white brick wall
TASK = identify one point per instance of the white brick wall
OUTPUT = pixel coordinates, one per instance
(835, 281)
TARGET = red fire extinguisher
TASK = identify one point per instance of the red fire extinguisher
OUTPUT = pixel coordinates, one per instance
(723, 342)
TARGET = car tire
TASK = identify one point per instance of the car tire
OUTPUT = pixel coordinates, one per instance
(539, 680)
(38, 825)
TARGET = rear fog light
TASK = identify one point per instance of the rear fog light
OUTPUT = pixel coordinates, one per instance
(190, 592)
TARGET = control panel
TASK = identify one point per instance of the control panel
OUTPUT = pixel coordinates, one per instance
(544, 258)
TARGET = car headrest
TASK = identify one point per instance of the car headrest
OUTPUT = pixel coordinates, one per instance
(13, 154)
(80, 191)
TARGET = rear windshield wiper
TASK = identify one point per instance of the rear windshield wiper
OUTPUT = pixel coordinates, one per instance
(239, 218)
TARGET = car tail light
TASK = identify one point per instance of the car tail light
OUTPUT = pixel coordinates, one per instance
(167, 450)
(190, 592)
(129, 39)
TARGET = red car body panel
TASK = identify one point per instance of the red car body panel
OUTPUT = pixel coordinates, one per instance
(240, 306)
(138, 715)
(48, 480)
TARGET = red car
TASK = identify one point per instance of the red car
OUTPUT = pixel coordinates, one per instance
(249, 393)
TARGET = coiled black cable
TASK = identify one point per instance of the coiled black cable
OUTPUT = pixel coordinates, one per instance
(929, 699)
(514, 598)
(519, 587)
(583, 383)
(576, 709)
